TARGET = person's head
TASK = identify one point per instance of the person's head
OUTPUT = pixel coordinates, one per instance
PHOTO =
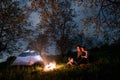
(78, 47)
(82, 48)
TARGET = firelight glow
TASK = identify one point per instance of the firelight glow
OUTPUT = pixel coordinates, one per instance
(50, 66)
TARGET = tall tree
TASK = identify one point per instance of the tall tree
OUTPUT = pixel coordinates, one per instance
(58, 23)
(12, 20)
(64, 26)
(39, 44)
(103, 16)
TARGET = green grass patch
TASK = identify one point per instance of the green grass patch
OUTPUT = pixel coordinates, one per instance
(103, 65)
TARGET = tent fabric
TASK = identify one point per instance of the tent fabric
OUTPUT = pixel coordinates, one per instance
(27, 58)
(28, 53)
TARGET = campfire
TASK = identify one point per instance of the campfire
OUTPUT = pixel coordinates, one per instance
(50, 66)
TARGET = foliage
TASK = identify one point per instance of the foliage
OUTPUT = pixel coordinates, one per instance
(103, 16)
(12, 22)
(101, 21)
(57, 22)
(39, 43)
(107, 13)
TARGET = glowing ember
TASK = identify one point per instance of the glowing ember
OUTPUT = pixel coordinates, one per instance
(50, 66)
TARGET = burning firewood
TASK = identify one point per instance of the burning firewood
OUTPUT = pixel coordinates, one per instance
(50, 66)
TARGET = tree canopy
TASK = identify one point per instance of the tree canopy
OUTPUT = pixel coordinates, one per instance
(61, 22)
(12, 20)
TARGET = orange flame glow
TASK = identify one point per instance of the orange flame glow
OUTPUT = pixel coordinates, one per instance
(50, 66)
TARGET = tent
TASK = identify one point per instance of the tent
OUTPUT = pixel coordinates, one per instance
(28, 58)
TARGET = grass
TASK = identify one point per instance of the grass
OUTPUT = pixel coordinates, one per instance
(103, 65)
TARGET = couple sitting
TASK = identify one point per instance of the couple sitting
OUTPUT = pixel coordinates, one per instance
(82, 57)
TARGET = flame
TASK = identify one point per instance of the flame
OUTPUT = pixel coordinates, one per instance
(50, 66)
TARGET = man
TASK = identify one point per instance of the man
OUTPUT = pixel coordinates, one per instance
(82, 55)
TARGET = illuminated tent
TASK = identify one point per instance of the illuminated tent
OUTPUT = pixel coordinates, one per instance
(28, 58)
